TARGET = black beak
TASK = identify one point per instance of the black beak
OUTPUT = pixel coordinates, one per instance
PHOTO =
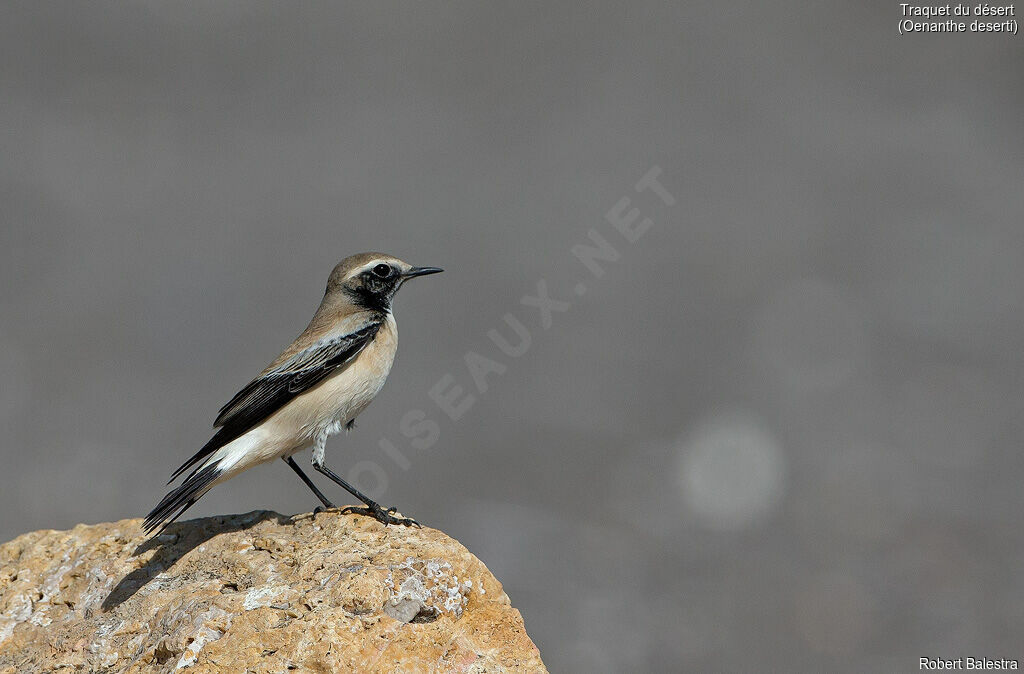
(422, 271)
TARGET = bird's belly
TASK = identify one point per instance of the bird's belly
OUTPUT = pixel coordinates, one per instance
(339, 399)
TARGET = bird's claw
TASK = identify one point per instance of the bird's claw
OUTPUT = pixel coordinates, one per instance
(321, 508)
(383, 516)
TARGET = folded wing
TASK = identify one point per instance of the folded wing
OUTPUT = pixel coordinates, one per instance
(273, 389)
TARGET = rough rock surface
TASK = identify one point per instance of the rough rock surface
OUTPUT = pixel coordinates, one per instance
(259, 592)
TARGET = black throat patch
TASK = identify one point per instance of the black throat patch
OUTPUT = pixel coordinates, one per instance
(368, 299)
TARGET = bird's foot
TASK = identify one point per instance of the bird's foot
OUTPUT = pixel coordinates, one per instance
(383, 516)
(321, 508)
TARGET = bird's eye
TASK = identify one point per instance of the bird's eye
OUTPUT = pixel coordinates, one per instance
(382, 270)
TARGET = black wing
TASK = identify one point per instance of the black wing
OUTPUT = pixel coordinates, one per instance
(269, 392)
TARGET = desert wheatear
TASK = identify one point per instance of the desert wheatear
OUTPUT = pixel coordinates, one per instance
(316, 387)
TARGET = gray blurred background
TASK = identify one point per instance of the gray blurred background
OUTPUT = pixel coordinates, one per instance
(782, 431)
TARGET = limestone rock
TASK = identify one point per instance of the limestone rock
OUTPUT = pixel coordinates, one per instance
(259, 592)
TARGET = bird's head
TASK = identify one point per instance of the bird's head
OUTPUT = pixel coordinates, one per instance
(370, 280)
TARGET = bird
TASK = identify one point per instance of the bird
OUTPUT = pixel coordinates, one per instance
(315, 388)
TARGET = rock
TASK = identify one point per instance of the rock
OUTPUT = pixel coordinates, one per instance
(255, 593)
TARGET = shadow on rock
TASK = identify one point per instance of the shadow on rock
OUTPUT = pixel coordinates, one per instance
(175, 542)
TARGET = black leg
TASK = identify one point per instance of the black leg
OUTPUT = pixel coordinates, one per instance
(372, 508)
(309, 483)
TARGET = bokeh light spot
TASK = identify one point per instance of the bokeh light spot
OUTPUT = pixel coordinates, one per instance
(732, 472)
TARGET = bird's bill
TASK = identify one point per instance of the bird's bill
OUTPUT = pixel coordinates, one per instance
(422, 271)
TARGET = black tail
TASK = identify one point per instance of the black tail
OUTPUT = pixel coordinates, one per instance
(181, 498)
(219, 439)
